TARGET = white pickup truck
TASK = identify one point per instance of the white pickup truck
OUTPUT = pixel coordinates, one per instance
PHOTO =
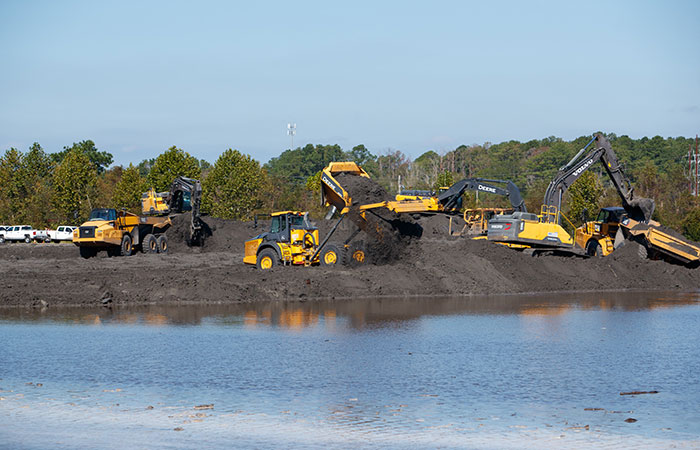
(17, 233)
(62, 233)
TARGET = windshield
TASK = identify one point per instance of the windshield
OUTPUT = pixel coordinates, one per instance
(103, 214)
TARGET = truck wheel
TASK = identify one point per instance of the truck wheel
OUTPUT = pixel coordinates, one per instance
(150, 244)
(642, 252)
(2, 239)
(594, 249)
(330, 256)
(27, 240)
(267, 259)
(356, 255)
(162, 244)
(48, 239)
(127, 248)
(87, 252)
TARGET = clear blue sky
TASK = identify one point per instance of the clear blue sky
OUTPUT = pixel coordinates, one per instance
(137, 77)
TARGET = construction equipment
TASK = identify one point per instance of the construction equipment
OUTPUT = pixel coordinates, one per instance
(120, 233)
(291, 240)
(612, 227)
(185, 194)
(601, 237)
(545, 230)
(597, 237)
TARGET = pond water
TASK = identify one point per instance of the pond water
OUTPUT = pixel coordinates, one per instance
(494, 372)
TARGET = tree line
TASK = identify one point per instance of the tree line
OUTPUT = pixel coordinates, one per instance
(44, 189)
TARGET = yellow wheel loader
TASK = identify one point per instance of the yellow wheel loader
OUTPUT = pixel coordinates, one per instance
(291, 240)
(120, 233)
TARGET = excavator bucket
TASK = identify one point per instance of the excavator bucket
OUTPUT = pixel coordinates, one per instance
(332, 193)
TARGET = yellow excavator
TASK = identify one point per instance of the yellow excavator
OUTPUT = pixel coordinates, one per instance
(632, 221)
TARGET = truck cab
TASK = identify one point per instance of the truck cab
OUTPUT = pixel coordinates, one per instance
(597, 237)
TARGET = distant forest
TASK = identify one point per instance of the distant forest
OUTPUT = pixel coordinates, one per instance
(45, 190)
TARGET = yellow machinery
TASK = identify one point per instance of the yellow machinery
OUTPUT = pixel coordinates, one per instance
(120, 233)
(597, 237)
(602, 236)
(154, 203)
(545, 230)
(185, 195)
(291, 240)
(475, 221)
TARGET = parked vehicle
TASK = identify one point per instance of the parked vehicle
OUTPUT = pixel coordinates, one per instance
(62, 233)
(40, 235)
(17, 233)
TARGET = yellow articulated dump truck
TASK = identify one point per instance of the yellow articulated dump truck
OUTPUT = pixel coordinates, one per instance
(120, 233)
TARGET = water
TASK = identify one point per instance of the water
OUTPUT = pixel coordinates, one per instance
(498, 372)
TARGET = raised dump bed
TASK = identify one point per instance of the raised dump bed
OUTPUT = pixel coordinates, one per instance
(660, 243)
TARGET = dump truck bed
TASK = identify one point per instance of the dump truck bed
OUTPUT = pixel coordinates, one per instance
(662, 243)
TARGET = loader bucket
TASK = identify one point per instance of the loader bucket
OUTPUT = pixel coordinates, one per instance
(641, 209)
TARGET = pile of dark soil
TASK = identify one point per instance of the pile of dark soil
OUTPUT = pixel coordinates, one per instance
(220, 235)
(388, 234)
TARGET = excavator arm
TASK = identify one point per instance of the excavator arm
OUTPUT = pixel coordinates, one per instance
(174, 202)
(450, 198)
(638, 208)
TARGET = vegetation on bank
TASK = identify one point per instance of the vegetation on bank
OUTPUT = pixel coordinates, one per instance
(44, 189)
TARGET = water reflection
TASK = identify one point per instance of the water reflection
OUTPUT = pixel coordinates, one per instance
(357, 314)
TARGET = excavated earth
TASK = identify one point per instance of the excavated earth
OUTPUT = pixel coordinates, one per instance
(418, 260)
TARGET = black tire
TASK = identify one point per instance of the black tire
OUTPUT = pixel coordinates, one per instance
(642, 252)
(162, 244)
(593, 248)
(356, 255)
(267, 259)
(27, 240)
(48, 239)
(2, 239)
(150, 244)
(87, 252)
(126, 248)
(330, 256)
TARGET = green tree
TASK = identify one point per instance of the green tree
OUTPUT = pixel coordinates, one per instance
(11, 196)
(444, 179)
(100, 160)
(299, 164)
(691, 225)
(37, 186)
(128, 190)
(232, 190)
(171, 164)
(584, 193)
(74, 182)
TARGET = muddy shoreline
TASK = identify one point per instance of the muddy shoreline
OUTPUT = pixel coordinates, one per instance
(50, 275)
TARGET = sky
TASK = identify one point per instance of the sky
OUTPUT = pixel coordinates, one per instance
(138, 77)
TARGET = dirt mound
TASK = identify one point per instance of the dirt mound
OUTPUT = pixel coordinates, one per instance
(388, 234)
(220, 235)
(16, 251)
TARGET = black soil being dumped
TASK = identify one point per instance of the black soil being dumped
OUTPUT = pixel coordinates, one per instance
(387, 234)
